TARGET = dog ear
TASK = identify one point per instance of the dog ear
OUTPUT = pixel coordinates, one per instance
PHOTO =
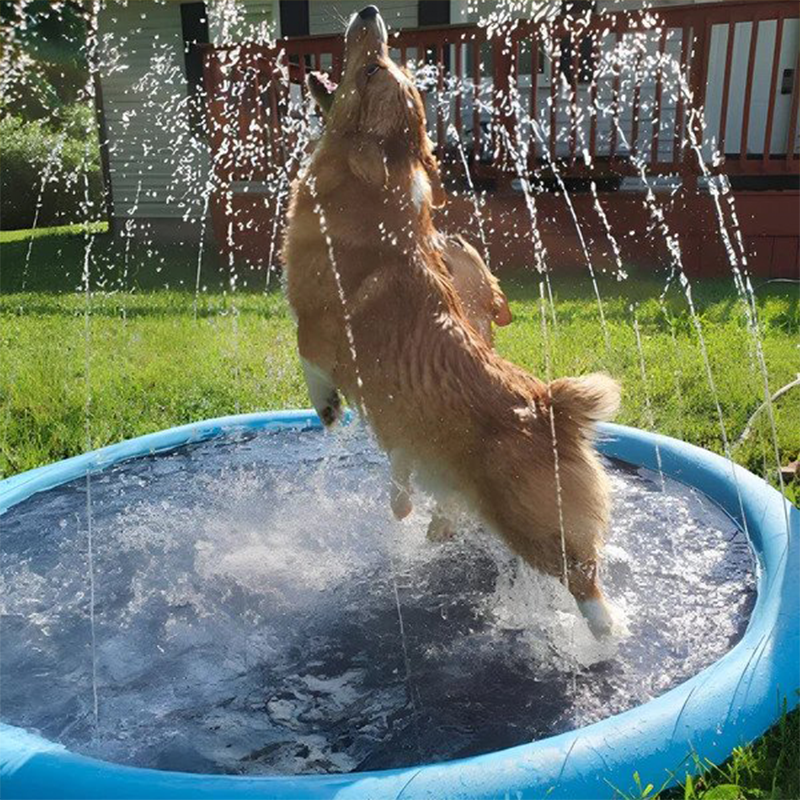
(367, 162)
(431, 165)
(322, 91)
(438, 195)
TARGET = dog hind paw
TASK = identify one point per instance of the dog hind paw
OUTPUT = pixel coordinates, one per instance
(332, 411)
(598, 616)
(401, 505)
(440, 529)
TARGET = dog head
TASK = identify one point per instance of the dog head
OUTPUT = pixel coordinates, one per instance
(377, 108)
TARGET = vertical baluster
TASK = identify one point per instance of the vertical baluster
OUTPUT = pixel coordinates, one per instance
(263, 160)
(790, 142)
(679, 107)
(476, 89)
(596, 42)
(776, 57)
(636, 108)
(662, 45)
(699, 87)
(748, 90)
(555, 75)
(302, 61)
(612, 148)
(440, 98)
(459, 84)
(274, 89)
(726, 87)
(573, 103)
(534, 107)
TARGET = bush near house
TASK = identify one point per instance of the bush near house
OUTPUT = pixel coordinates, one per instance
(49, 146)
(48, 163)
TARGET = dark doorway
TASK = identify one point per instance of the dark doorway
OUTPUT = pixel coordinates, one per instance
(294, 18)
(433, 12)
(430, 13)
(194, 27)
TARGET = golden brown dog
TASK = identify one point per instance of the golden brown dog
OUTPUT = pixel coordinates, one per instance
(379, 318)
(478, 289)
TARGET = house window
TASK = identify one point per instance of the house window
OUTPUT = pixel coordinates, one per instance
(194, 25)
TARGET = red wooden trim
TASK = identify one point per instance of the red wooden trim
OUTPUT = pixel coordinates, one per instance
(612, 146)
(440, 140)
(596, 41)
(662, 45)
(726, 87)
(748, 88)
(573, 105)
(790, 142)
(476, 90)
(534, 102)
(635, 111)
(555, 79)
(459, 86)
(776, 57)
(686, 33)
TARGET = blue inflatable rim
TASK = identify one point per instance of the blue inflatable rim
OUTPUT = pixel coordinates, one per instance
(729, 703)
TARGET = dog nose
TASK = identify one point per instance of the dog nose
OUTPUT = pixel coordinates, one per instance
(370, 12)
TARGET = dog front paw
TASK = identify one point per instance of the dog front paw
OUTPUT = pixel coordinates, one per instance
(332, 411)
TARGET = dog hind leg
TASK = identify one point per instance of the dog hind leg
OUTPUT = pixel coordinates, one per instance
(584, 585)
(400, 486)
(318, 359)
(324, 395)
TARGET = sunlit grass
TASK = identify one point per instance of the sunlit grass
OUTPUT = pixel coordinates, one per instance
(150, 358)
(152, 364)
(7, 237)
(768, 768)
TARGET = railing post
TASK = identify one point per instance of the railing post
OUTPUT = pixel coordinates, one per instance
(504, 118)
(698, 80)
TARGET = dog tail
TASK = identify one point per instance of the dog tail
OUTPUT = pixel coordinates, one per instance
(586, 400)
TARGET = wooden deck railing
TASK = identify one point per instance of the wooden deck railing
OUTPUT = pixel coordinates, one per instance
(587, 107)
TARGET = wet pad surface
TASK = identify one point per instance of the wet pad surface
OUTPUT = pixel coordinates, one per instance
(246, 615)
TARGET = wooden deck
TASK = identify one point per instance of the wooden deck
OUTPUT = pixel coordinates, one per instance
(589, 115)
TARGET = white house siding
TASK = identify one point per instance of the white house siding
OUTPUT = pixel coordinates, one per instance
(157, 166)
(242, 21)
(144, 91)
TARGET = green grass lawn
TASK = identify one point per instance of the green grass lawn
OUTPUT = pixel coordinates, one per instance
(147, 359)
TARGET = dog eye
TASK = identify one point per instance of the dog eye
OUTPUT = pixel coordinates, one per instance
(372, 69)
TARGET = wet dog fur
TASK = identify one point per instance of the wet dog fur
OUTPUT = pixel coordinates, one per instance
(379, 318)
